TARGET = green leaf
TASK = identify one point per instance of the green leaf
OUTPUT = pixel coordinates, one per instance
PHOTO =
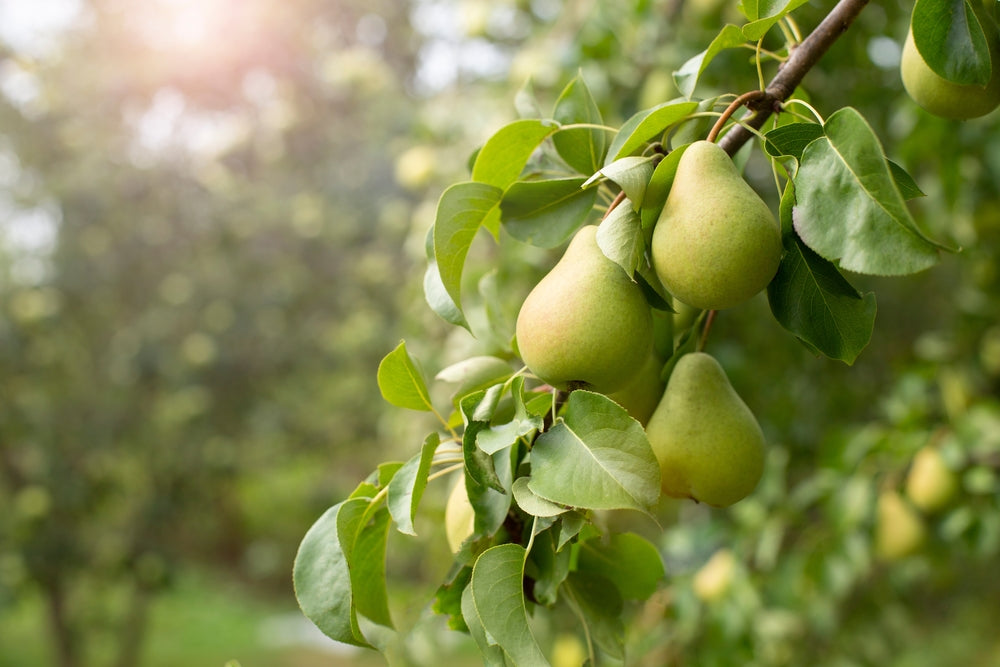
(462, 210)
(475, 373)
(498, 596)
(546, 213)
(848, 207)
(595, 457)
(907, 186)
(582, 148)
(597, 603)
(321, 575)
(791, 139)
(408, 484)
(532, 504)
(448, 597)
(951, 40)
(658, 188)
(501, 160)
(570, 525)
(763, 14)
(646, 125)
(630, 173)
(629, 561)
(620, 238)
(811, 299)
(366, 560)
(401, 382)
(477, 410)
(522, 424)
(491, 654)
(686, 78)
(435, 293)
(547, 567)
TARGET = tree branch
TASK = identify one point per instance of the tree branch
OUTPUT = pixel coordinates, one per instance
(791, 73)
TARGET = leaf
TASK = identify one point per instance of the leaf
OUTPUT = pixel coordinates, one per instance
(546, 213)
(630, 173)
(595, 457)
(491, 654)
(620, 238)
(686, 78)
(547, 567)
(629, 561)
(645, 125)
(848, 207)
(340, 570)
(498, 596)
(401, 382)
(475, 373)
(763, 14)
(435, 293)
(951, 40)
(503, 156)
(522, 424)
(462, 210)
(907, 186)
(532, 504)
(658, 188)
(582, 148)
(811, 299)
(570, 525)
(448, 597)
(598, 604)
(477, 410)
(791, 139)
(408, 484)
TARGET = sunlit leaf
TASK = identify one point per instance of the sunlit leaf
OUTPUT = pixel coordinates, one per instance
(646, 125)
(532, 504)
(401, 382)
(620, 238)
(582, 148)
(763, 14)
(408, 484)
(502, 158)
(630, 173)
(686, 77)
(435, 293)
(546, 213)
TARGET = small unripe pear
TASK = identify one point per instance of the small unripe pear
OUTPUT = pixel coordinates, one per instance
(930, 484)
(586, 324)
(944, 98)
(899, 530)
(707, 441)
(716, 243)
(459, 516)
(713, 580)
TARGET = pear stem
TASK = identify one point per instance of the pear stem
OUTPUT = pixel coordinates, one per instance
(745, 98)
(704, 331)
(614, 204)
(801, 59)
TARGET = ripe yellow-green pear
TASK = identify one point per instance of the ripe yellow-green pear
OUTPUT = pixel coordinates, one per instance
(708, 443)
(930, 484)
(713, 580)
(641, 396)
(459, 517)
(899, 529)
(586, 324)
(944, 98)
(716, 243)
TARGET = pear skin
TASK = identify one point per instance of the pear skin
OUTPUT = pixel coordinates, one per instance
(641, 396)
(944, 98)
(716, 243)
(899, 529)
(586, 324)
(707, 441)
(459, 516)
(931, 484)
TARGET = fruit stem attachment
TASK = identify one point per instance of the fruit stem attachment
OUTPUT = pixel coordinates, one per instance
(704, 331)
(745, 98)
(614, 204)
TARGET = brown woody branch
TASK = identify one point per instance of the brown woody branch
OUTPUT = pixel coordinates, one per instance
(792, 71)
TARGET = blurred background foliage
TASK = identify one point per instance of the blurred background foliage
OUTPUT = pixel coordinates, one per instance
(211, 229)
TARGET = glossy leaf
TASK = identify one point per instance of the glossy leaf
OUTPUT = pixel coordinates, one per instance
(474, 373)
(848, 207)
(502, 158)
(498, 596)
(435, 293)
(595, 457)
(522, 424)
(582, 148)
(647, 125)
(407, 486)
(620, 237)
(546, 213)
(629, 561)
(951, 40)
(686, 77)
(763, 14)
(630, 173)
(402, 384)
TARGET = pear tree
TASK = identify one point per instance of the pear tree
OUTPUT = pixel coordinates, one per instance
(605, 399)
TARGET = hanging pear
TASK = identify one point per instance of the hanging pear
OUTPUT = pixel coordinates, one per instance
(641, 396)
(716, 243)
(586, 324)
(708, 443)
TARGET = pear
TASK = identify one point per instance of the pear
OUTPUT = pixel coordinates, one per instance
(930, 484)
(899, 529)
(586, 324)
(459, 516)
(944, 98)
(714, 579)
(708, 443)
(641, 396)
(716, 243)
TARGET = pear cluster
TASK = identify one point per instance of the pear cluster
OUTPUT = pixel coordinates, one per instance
(948, 99)
(587, 325)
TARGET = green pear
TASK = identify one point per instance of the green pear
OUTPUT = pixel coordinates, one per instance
(708, 443)
(944, 98)
(899, 529)
(714, 579)
(641, 396)
(586, 324)
(459, 516)
(930, 484)
(716, 243)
